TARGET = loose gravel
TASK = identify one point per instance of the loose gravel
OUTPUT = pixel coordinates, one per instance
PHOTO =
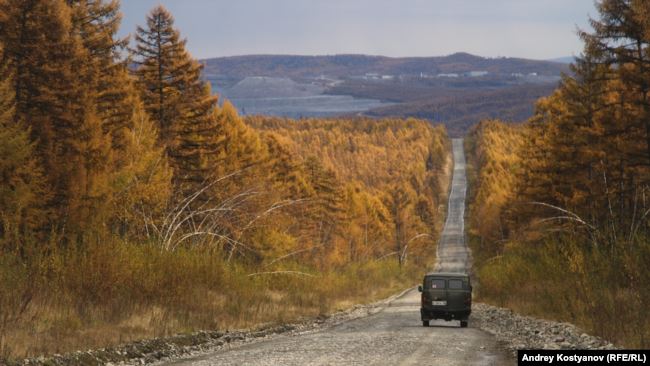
(516, 331)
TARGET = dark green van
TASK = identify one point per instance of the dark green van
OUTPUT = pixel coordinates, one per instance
(446, 296)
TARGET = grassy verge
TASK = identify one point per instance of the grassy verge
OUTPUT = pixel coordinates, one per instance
(603, 290)
(115, 292)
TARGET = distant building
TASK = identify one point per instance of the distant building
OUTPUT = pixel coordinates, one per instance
(474, 74)
(371, 76)
(451, 75)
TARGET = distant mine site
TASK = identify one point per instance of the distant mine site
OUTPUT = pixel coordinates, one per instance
(281, 96)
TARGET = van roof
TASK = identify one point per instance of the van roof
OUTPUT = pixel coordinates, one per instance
(446, 274)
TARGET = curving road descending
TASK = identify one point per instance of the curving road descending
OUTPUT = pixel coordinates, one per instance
(394, 335)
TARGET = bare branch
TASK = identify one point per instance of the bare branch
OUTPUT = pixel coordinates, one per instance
(292, 254)
(297, 273)
(387, 255)
(275, 206)
(405, 250)
(571, 216)
(185, 203)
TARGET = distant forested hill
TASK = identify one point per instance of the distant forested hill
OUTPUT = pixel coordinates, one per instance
(460, 111)
(341, 66)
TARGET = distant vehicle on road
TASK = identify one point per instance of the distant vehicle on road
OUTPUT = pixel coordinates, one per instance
(446, 296)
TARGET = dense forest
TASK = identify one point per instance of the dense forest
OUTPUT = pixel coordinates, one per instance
(560, 211)
(135, 204)
(397, 197)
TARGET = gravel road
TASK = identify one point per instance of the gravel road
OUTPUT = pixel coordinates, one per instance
(453, 254)
(394, 334)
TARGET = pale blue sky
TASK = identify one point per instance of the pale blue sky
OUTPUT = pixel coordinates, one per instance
(539, 29)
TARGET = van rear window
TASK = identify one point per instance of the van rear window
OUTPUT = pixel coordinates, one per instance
(437, 283)
(455, 284)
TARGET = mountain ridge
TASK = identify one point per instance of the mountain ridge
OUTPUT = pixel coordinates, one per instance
(349, 65)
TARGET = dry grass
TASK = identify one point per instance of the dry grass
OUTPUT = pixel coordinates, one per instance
(116, 292)
(606, 291)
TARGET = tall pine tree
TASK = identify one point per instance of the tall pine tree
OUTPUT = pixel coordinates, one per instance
(178, 101)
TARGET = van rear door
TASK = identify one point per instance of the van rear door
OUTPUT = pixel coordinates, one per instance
(436, 289)
(458, 295)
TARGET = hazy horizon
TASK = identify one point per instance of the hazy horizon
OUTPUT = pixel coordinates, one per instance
(411, 28)
(377, 55)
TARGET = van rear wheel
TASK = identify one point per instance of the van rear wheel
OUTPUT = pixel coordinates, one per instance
(463, 323)
(425, 323)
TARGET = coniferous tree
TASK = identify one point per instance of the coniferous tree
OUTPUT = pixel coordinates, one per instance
(162, 70)
(140, 179)
(23, 192)
(620, 39)
(143, 181)
(285, 171)
(240, 150)
(96, 22)
(565, 143)
(325, 212)
(51, 78)
(179, 102)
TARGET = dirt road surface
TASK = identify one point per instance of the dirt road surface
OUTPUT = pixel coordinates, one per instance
(453, 254)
